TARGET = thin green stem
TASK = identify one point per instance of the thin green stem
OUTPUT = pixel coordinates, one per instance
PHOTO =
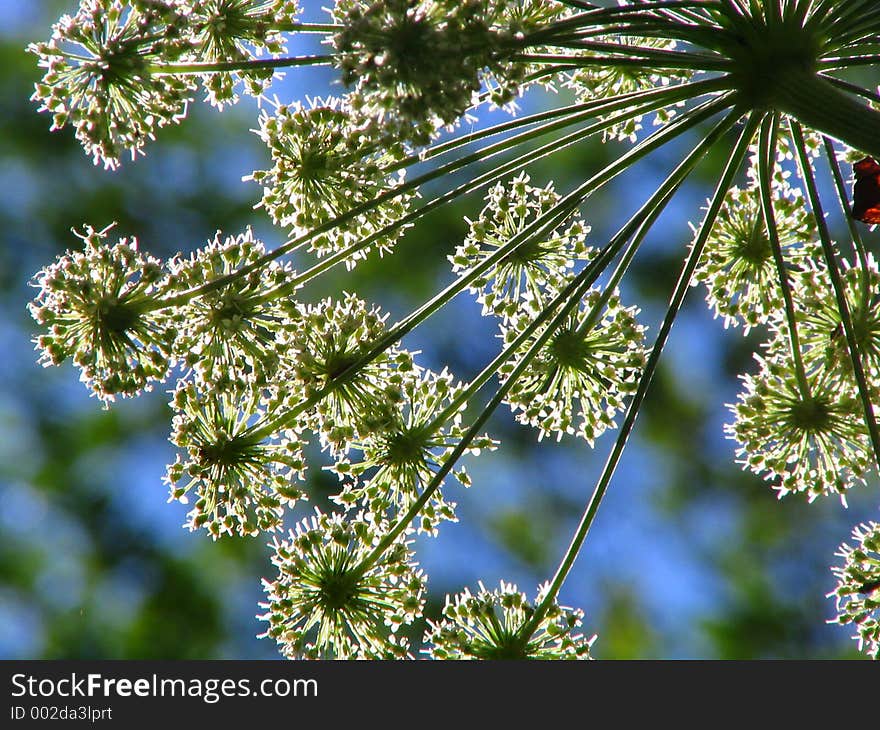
(249, 65)
(766, 163)
(684, 283)
(690, 62)
(661, 57)
(579, 4)
(309, 27)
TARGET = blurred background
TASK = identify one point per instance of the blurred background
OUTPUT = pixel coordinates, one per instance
(690, 557)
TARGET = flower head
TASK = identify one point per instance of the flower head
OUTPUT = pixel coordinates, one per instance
(325, 164)
(858, 587)
(100, 78)
(521, 281)
(821, 327)
(584, 369)
(416, 65)
(242, 478)
(96, 306)
(401, 458)
(348, 399)
(326, 603)
(233, 330)
(604, 81)
(490, 625)
(813, 441)
(737, 265)
(234, 30)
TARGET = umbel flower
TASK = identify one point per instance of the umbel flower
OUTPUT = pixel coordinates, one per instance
(492, 625)
(98, 307)
(402, 458)
(242, 478)
(98, 76)
(230, 31)
(232, 331)
(738, 268)
(584, 371)
(802, 436)
(326, 164)
(523, 279)
(345, 402)
(329, 602)
(417, 65)
(821, 325)
(858, 587)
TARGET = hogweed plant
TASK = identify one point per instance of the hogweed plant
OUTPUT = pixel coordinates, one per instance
(772, 85)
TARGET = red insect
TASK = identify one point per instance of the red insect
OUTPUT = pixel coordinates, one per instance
(866, 191)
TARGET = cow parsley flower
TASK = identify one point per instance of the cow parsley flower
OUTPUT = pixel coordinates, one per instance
(737, 265)
(402, 457)
(858, 587)
(578, 372)
(820, 325)
(350, 402)
(416, 65)
(236, 30)
(324, 164)
(813, 442)
(604, 81)
(325, 604)
(242, 479)
(100, 78)
(98, 307)
(489, 625)
(522, 280)
(517, 20)
(232, 330)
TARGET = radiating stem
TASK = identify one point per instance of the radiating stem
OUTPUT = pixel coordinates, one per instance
(766, 163)
(248, 65)
(858, 244)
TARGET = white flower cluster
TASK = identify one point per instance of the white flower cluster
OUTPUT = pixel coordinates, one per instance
(522, 279)
(492, 625)
(323, 589)
(416, 66)
(858, 587)
(116, 70)
(328, 169)
(96, 308)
